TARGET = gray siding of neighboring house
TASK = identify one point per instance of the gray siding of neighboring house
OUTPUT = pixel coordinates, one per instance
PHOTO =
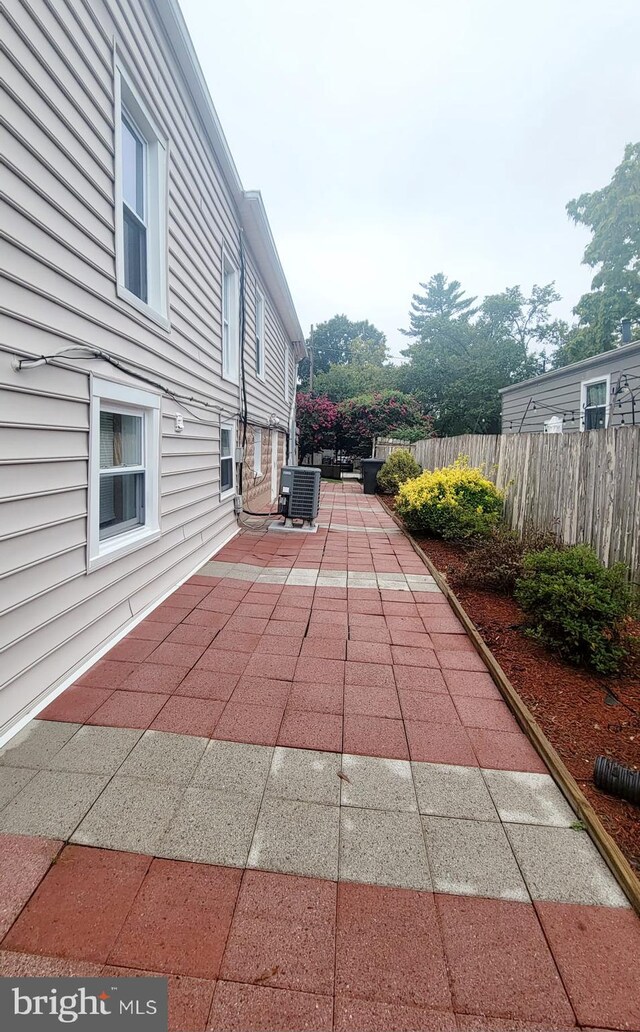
(528, 405)
(58, 257)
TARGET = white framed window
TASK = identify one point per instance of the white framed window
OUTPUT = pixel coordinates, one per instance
(287, 372)
(230, 337)
(141, 154)
(595, 403)
(260, 334)
(123, 471)
(227, 459)
(257, 451)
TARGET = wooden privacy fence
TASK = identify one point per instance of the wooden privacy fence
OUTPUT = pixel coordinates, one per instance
(584, 486)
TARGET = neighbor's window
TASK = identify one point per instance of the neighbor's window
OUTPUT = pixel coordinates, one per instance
(124, 460)
(141, 175)
(230, 345)
(257, 452)
(595, 404)
(259, 334)
(227, 458)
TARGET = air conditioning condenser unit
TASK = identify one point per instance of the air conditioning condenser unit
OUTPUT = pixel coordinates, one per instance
(299, 494)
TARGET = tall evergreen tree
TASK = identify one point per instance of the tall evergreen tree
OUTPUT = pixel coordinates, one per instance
(461, 356)
(441, 299)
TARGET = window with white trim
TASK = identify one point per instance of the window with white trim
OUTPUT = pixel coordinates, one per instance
(595, 404)
(227, 459)
(287, 372)
(257, 451)
(260, 334)
(124, 461)
(141, 202)
(230, 338)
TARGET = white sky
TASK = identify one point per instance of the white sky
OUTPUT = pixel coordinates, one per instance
(393, 140)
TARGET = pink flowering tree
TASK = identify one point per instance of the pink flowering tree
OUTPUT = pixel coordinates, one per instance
(317, 419)
(381, 414)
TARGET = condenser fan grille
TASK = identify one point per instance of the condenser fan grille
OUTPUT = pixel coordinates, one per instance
(303, 494)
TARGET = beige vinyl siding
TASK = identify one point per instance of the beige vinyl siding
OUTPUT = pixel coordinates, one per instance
(58, 263)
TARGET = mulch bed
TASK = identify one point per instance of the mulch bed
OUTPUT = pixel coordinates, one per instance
(583, 714)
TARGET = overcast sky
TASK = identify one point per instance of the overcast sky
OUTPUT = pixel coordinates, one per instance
(392, 139)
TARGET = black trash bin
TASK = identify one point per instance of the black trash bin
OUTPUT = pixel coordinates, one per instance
(370, 469)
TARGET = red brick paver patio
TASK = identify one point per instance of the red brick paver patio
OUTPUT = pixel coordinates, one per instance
(295, 791)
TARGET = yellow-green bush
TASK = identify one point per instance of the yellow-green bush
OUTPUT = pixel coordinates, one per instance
(400, 466)
(455, 502)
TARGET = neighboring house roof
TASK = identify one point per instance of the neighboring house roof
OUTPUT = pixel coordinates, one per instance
(251, 210)
(617, 355)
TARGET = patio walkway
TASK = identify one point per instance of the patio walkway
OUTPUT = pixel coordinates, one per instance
(295, 790)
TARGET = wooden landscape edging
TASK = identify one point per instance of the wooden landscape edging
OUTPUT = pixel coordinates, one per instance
(608, 849)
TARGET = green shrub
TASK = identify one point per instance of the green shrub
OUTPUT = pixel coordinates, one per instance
(400, 466)
(496, 561)
(455, 502)
(576, 606)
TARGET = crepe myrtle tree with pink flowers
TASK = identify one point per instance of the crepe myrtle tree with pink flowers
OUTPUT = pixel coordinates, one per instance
(317, 418)
(380, 414)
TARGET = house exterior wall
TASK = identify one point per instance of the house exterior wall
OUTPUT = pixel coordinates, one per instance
(59, 292)
(257, 487)
(559, 393)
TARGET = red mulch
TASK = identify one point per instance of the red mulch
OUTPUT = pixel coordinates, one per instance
(569, 703)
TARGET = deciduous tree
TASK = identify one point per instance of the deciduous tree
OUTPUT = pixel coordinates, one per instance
(613, 216)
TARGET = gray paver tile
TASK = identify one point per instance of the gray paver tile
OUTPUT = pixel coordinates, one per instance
(131, 814)
(233, 767)
(37, 743)
(563, 865)
(51, 804)
(332, 579)
(305, 775)
(302, 577)
(383, 848)
(12, 780)
(447, 790)
(524, 798)
(296, 838)
(211, 827)
(164, 757)
(96, 750)
(378, 784)
(472, 858)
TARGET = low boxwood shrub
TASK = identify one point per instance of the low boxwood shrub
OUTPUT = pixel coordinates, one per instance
(496, 561)
(456, 502)
(576, 605)
(400, 466)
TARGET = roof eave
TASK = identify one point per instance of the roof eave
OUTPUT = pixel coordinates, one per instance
(582, 364)
(248, 204)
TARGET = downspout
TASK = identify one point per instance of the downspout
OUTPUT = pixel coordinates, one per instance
(292, 457)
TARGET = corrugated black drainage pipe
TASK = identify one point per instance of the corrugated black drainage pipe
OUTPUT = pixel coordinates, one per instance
(617, 780)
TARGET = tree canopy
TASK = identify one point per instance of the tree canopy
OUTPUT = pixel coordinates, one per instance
(462, 354)
(612, 214)
(339, 341)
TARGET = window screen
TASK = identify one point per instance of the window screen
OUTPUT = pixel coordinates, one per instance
(226, 459)
(133, 209)
(122, 473)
